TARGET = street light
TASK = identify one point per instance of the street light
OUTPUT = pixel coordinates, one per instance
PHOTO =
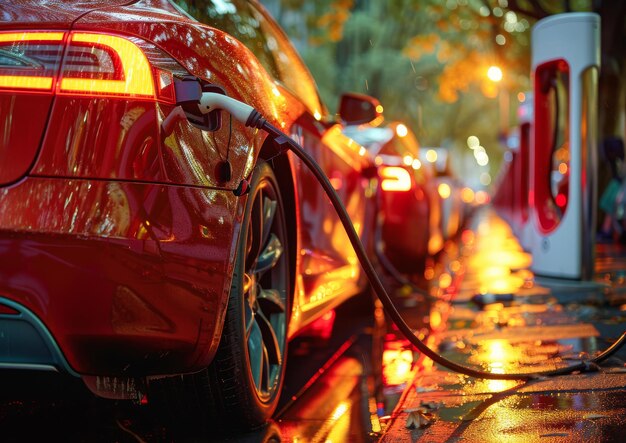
(494, 73)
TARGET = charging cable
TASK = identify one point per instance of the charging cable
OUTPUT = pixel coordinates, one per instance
(247, 115)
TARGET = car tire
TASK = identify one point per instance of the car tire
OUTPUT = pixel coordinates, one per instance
(242, 385)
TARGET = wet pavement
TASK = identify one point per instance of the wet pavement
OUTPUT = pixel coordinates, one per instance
(330, 394)
(492, 313)
(361, 381)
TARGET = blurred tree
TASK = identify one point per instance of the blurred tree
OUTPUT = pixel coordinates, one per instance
(427, 60)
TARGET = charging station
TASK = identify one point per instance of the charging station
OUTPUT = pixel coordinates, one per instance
(563, 150)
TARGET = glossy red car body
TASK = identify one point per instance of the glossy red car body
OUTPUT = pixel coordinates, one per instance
(117, 240)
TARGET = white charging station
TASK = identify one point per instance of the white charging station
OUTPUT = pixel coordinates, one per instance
(563, 150)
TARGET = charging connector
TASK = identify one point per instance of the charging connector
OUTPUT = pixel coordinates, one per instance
(252, 118)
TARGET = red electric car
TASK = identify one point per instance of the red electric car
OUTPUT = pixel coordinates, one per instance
(408, 206)
(130, 254)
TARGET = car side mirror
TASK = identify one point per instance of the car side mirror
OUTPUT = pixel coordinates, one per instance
(357, 109)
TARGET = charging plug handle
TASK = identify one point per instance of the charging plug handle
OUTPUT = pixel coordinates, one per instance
(210, 101)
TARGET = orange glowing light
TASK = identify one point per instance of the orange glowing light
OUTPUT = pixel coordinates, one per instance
(500, 357)
(397, 364)
(563, 168)
(511, 259)
(379, 109)
(521, 97)
(467, 236)
(506, 285)
(337, 182)
(40, 83)
(436, 319)
(444, 190)
(481, 197)
(137, 75)
(493, 271)
(467, 195)
(31, 36)
(25, 82)
(340, 410)
(445, 280)
(431, 155)
(395, 178)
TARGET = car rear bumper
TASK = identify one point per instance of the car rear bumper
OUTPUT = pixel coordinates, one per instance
(113, 278)
(26, 343)
(405, 230)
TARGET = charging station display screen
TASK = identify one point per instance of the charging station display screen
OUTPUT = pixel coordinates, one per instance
(559, 104)
(552, 162)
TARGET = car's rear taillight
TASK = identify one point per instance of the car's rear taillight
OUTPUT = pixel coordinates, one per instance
(30, 60)
(97, 64)
(85, 64)
(394, 178)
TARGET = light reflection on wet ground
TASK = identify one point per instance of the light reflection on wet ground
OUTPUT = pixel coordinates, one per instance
(502, 319)
(333, 392)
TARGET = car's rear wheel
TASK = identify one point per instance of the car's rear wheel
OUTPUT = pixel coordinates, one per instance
(250, 362)
(242, 385)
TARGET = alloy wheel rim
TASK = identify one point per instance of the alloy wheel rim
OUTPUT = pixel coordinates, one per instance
(265, 291)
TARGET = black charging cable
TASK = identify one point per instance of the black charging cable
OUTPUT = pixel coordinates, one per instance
(252, 118)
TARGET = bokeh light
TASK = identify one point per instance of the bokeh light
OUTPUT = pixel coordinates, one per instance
(473, 142)
(431, 155)
(402, 130)
(485, 179)
(494, 73)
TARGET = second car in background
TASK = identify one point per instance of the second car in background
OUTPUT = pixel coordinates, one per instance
(408, 212)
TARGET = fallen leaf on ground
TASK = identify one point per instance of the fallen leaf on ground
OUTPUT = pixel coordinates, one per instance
(418, 419)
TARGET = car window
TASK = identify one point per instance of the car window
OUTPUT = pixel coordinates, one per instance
(291, 69)
(237, 18)
(245, 22)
